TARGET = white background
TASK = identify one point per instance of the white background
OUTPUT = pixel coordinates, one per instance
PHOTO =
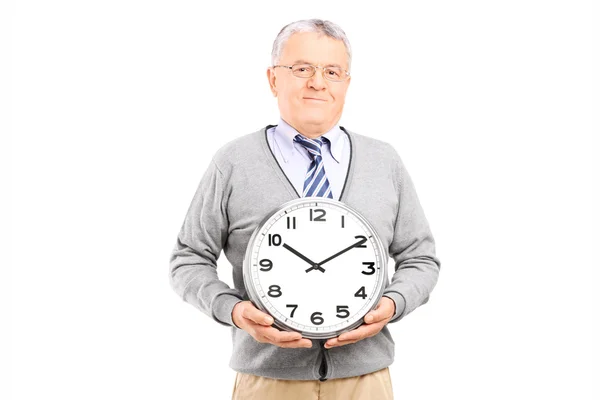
(116, 107)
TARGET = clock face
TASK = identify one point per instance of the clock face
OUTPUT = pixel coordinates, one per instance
(316, 266)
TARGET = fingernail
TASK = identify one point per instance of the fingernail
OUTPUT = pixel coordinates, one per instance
(268, 320)
(369, 318)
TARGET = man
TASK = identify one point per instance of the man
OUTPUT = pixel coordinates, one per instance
(254, 174)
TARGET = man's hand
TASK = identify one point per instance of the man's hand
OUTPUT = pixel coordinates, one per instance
(375, 320)
(258, 324)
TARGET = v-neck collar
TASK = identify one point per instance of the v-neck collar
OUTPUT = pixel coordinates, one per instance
(279, 171)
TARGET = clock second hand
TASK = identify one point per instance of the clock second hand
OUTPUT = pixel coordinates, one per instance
(361, 241)
(302, 256)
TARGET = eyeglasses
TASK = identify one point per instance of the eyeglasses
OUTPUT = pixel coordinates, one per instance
(334, 74)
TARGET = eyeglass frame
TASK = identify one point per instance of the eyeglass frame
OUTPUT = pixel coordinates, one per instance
(290, 67)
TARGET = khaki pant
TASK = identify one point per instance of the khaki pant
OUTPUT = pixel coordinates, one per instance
(374, 386)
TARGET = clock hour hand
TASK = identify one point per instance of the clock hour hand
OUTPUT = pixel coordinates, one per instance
(302, 256)
(361, 241)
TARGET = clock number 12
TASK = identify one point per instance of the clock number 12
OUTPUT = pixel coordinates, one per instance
(318, 218)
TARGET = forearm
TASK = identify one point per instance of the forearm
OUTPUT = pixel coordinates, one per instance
(413, 250)
(411, 284)
(193, 263)
(194, 278)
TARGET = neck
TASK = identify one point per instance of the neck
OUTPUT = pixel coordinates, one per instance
(311, 131)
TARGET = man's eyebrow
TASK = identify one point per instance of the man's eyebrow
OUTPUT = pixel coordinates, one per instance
(307, 62)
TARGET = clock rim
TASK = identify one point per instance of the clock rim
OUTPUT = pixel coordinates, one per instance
(253, 295)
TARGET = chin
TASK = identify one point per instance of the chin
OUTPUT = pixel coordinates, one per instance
(315, 117)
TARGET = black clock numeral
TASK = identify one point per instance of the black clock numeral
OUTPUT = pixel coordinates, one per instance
(361, 293)
(275, 291)
(316, 318)
(319, 218)
(362, 246)
(291, 222)
(371, 267)
(343, 221)
(266, 264)
(344, 310)
(274, 240)
(294, 306)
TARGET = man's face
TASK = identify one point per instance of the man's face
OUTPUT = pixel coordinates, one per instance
(310, 105)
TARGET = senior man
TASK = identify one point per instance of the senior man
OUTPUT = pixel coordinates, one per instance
(306, 154)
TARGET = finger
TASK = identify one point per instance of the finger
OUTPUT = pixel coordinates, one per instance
(277, 335)
(255, 315)
(381, 312)
(360, 333)
(282, 339)
(306, 343)
(336, 343)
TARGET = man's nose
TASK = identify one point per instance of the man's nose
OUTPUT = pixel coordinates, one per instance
(317, 81)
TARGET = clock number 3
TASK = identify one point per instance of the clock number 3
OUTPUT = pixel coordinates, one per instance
(371, 267)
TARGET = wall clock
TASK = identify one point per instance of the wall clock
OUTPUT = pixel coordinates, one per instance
(316, 266)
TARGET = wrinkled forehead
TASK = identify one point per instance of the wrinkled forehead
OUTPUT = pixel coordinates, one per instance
(316, 49)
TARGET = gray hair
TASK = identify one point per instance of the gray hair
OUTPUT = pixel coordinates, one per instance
(309, 25)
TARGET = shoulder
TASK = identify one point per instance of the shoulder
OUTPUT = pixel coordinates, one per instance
(240, 150)
(373, 147)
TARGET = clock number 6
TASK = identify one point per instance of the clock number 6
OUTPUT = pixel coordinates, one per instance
(316, 318)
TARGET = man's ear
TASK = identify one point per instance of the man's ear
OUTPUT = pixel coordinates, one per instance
(271, 77)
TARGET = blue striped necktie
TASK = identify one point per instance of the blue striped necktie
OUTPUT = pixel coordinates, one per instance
(315, 182)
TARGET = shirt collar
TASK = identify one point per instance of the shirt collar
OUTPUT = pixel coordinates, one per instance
(284, 136)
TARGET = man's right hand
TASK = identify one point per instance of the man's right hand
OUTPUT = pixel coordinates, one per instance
(258, 324)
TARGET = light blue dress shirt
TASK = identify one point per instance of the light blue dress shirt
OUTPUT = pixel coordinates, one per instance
(294, 159)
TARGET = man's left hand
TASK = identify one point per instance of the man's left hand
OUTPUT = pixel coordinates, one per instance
(375, 320)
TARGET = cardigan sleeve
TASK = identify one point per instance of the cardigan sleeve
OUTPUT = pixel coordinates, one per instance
(412, 248)
(193, 263)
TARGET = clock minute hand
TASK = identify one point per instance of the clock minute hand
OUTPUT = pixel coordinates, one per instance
(302, 256)
(361, 241)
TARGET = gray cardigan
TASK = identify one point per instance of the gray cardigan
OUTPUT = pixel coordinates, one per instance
(242, 184)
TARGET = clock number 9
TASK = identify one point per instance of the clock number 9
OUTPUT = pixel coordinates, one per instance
(268, 264)
(316, 318)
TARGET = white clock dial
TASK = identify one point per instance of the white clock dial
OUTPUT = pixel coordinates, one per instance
(316, 266)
